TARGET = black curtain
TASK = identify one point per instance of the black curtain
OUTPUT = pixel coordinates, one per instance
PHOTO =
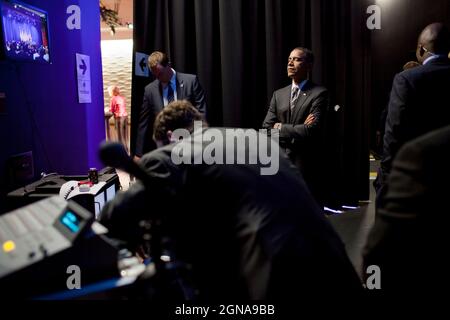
(239, 50)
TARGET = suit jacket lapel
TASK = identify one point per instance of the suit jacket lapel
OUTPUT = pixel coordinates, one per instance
(285, 108)
(160, 99)
(180, 88)
(298, 110)
(301, 105)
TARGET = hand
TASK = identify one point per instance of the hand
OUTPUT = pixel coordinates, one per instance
(141, 253)
(277, 125)
(309, 120)
(136, 159)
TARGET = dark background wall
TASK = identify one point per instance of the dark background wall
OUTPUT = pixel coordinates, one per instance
(43, 114)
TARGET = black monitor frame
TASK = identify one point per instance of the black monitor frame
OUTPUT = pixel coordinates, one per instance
(28, 7)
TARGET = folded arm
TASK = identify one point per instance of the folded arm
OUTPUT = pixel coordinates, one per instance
(312, 125)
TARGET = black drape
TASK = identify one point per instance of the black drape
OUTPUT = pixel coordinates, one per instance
(239, 50)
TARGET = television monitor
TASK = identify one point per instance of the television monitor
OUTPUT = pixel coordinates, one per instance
(24, 31)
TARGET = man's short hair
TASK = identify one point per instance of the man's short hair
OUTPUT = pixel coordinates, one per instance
(436, 38)
(442, 41)
(158, 57)
(309, 56)
(176, 115)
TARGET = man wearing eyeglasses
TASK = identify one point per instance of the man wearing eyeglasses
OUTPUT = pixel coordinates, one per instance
(298, 112)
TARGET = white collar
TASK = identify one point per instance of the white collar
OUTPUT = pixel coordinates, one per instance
(432, 57)
(173, 80)
(301, 85)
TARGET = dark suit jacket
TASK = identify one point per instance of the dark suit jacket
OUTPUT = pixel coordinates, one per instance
(409, 241)
(188, 87)
(247, 235)
(419, 103)
(303, 144)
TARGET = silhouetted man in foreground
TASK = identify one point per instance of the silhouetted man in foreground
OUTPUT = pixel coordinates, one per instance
(409, 241)
(248, 233)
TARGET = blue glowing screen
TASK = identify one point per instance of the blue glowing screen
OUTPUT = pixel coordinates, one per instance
(71, 221)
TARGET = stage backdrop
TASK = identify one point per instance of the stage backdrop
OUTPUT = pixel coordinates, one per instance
(239, 50)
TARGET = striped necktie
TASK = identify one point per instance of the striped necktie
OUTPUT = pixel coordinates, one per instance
(294, 96)
(170, 96)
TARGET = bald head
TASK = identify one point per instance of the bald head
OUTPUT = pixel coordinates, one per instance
(434, 39)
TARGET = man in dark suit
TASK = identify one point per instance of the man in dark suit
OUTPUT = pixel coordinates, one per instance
(409, 240)
(168, 86)
(247, 235)
(298, 111)
(420, 100)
